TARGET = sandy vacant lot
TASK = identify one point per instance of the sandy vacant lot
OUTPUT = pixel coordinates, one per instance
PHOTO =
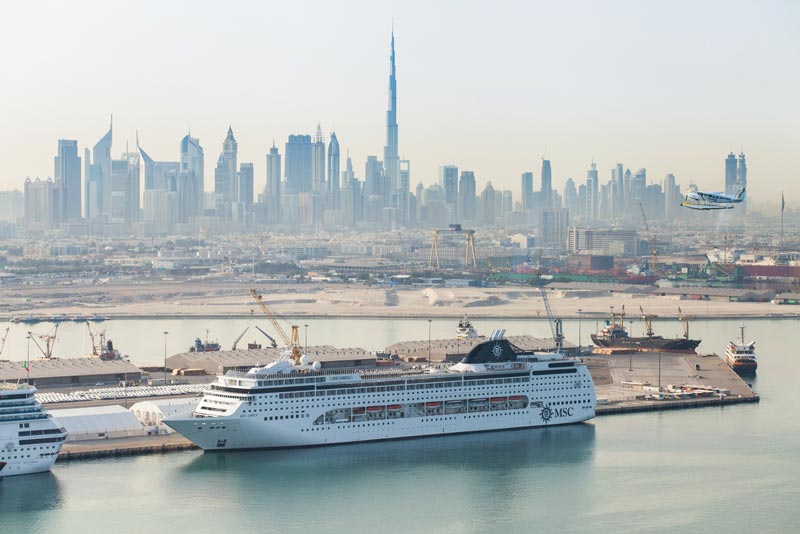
(232, 299)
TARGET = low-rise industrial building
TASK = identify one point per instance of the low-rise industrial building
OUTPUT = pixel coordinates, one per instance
(70, 371)
(221, 361)
(98, 422)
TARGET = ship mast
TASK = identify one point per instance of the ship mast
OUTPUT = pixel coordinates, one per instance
(648, 321)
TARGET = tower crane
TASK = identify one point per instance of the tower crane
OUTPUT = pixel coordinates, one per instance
(651, 242)
(292, 343)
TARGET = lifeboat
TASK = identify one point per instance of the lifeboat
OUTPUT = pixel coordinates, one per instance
(477, 401)
(358, 410)
(373, 409)
(498, 400)
(395, 407)
(516, 398)
(433, 404)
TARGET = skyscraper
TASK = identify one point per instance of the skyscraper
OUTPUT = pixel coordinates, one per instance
(404, 193)
(488, 204)
(333, 172)
(273, 189)
(741, 180)
(547, 185)
(68, 171)
(391, 159)
(592, 192)
(245, 184)
(298, 164)
(466, 197)
(730, 174)
(98, 177)
(191, 182)
(318, 163)
(158, 175)
(448, 179)
(225, 182)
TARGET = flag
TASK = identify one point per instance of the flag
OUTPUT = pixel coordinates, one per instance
(783, 202)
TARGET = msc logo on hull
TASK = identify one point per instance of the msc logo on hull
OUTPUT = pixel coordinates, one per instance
(548, 413)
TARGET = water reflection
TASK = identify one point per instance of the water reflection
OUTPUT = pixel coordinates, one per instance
(492, 451)
(29, 493)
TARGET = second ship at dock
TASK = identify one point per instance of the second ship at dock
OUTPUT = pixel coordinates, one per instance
(615, 338)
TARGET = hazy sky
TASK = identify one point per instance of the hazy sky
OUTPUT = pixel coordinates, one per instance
(670, 86)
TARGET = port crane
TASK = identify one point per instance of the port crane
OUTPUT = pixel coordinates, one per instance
(555, 322)
(233, 347)
(682, 317)
(292, 343)
(651, 243)
(271, 339)
(648, 321)
(49, 340)
(470, 260)
(3, 341)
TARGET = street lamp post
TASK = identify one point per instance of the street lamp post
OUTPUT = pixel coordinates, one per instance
(580, 316)
(165, 357)
(429, 339)
(125, 363)
(306, 343)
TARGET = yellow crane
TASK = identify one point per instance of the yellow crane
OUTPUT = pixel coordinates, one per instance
(292, 343)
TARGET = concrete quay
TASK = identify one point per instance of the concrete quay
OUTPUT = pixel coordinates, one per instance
(134, 446)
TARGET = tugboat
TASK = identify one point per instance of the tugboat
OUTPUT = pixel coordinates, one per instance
(466, 330)
(741, 356)
(614, 337)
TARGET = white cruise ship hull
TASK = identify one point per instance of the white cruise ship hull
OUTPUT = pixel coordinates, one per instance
(212, 434)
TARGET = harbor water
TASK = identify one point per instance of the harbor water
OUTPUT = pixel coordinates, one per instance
(732, 468)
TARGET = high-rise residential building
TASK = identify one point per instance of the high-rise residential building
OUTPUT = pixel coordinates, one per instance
(547, 185)
(488, 204)
(67, 171)
(191, 182)
(333, 172)
(730, 174)
(582, 203)
(638, 190)
(618, 190)
(374, 179)
(391, 158)
(298, 164)
(672, 198)
(571, 198)
(741, 180)
(245, 185)
(467, 209)
(403, 199)
(627, 185)
(592, 192)
(160, 210)
(97, 178)
(41, 205)
(125, 189)
(273, 188)
(527, 197)
(448, 179)
(318, 163)
(160, 175)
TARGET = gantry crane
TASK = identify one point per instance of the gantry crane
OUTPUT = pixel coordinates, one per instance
(469, 249)
(648, 321)
(292, 343)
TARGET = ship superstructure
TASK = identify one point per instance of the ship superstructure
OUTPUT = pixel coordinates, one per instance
(30, 439)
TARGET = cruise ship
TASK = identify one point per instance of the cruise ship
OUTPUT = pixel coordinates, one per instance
(30, 440)
(291, 402)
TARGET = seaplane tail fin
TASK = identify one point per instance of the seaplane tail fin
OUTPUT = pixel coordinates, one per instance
(740, 195)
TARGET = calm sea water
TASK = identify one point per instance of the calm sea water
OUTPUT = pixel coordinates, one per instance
(734, 469)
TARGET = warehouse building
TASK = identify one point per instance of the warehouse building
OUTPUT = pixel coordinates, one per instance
(70, 371)
(98, 422)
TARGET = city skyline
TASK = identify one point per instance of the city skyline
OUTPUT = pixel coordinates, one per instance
(665, 141)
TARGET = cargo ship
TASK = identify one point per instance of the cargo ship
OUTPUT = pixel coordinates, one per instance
(614, 337)
(741, 356)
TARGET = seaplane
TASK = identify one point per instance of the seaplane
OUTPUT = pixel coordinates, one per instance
(700, 200)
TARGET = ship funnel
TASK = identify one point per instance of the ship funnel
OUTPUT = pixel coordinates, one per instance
(497, 334)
